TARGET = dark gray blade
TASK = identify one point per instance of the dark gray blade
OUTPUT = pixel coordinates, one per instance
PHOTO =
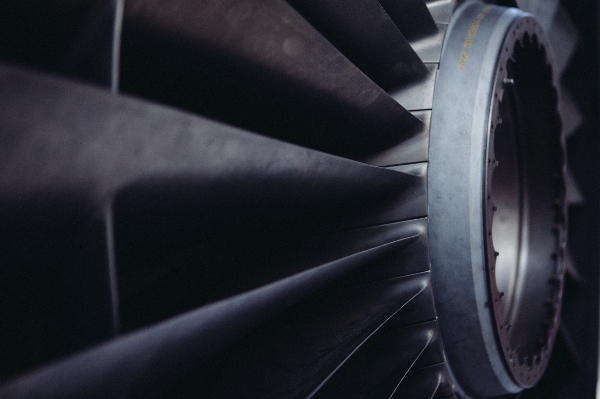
(315, 337)
(261, 66)
(364, 32)
(76, 38)
(426, 383)
(151, 290)
(95, 56)
(239, 265)
(120, 202)
(412, 17)
(377, 367)
(60, 136)
(152, 362)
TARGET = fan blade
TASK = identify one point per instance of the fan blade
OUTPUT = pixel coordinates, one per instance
(76, 38)
(441, 10)
(315, 337)
(413, 149)
(572, 269)
(569, 342)
(377, 367)
(427, 382)
(419, 95)
(145, 184)
(412, 17)
(564, 39)
(57, 294)
(143, 130)
(544, 11)
(364, 32)
(168, 352)
(570, 114)
(574, 193)
(261, 66)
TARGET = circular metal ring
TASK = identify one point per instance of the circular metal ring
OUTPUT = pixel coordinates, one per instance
(496, 200)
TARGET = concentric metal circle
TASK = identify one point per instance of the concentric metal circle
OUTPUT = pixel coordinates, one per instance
(496, 200)
(525, 213)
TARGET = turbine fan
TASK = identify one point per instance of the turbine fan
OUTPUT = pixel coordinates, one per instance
(263, 231)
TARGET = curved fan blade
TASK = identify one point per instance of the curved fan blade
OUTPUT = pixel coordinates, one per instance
(572, 270)
(311, 339)
(441, 10)
(570, 114)
(168, 352)
(427, 382)
(412, 18)
(412, 150)
(261, 66)
(574, 194)
(377, 368)
(564, 38)
(237, 264)
(76, 38)
(544, 11)
(364, 32)
(158, 190)
(131, 147)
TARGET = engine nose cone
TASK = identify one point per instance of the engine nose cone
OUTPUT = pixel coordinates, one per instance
(496, 200)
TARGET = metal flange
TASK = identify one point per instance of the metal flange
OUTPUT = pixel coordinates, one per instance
(496, 200)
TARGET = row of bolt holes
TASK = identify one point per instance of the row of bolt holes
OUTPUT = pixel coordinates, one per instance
(494, 209)
(497, 299)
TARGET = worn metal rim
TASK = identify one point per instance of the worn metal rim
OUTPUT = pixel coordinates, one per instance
(497, 233)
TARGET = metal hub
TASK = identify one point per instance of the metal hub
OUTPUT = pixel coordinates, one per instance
(496, 200)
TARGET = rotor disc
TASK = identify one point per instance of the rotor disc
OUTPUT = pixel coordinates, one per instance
(496, 200)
